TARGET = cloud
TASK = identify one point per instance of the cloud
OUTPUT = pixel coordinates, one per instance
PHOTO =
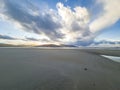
(35, 39)
(63, 24)
(30, 20)
(31, 39)
(74, 23)
(109, 15)
(7, 37)
(105, 43)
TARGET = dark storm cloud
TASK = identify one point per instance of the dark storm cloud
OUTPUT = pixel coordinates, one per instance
(41, 23)
(7, 37)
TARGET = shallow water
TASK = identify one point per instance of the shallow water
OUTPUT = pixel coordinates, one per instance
(113, 58)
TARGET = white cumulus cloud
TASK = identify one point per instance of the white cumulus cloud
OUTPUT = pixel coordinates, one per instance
(62, 25)
(74, 22)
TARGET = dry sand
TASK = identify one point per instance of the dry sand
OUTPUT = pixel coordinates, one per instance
(40, 69)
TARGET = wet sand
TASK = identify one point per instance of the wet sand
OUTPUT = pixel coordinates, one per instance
(57, 69)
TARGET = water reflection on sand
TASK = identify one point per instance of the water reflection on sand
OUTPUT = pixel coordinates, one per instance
(114, 58)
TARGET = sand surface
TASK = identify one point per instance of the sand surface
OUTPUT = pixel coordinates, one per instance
(40, 69)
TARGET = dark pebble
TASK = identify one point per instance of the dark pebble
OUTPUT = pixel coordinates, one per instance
(85, 69)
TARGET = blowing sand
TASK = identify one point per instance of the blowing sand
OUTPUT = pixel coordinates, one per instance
(58, 69)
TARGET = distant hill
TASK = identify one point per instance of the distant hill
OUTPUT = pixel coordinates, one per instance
(44, 45)
(54, 45)
(11, 45)
(6, 45)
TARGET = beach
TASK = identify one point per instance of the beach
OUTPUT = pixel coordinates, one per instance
(58, 69)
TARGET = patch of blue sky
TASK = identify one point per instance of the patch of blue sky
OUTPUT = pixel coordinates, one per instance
(110, 33)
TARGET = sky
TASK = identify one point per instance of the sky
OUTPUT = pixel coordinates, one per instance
(76, 22)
